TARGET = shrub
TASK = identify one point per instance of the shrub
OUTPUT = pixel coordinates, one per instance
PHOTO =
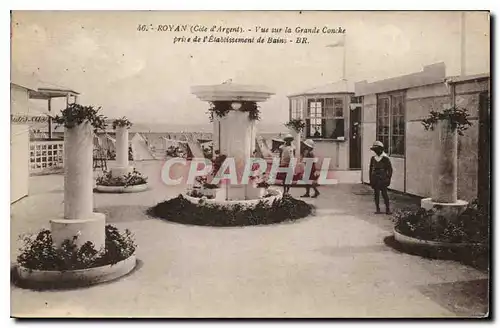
(183, 211)
(39, 253)
(472, 226)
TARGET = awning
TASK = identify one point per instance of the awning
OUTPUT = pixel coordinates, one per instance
(49, 93)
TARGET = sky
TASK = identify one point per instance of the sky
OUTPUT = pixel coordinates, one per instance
(144, 76)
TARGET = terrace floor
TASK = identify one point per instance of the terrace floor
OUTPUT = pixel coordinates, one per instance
(335, 264)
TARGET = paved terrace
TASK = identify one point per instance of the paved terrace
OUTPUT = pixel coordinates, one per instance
(334, 264)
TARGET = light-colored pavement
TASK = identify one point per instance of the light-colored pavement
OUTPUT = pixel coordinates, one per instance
(334, 264)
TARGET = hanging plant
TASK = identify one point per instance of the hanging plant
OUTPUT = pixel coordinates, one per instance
(221, 108)
(456, 116)
(76, 114)
(297, 124)
(121, 122)
(252, 108)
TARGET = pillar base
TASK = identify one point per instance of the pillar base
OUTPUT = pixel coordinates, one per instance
(236, 192)
(89, 229)
(119, 171)
(447, 210)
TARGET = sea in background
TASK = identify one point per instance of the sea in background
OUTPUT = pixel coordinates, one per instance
(155, 130)
(263, 128)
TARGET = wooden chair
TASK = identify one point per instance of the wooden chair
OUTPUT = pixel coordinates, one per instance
(100, 158)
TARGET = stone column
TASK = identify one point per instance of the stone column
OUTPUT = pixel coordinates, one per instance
(215, 135)
(444, 189)
(122, 163)
(236, 142)
(444, 183)
(79, 218)
(296, 141)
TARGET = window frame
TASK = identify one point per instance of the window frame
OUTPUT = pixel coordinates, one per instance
(388, 137)
(320, 114)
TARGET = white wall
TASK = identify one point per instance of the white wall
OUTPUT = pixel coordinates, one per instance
(19, 146)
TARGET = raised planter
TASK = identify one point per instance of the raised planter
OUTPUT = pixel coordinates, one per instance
(412, 241)
(122, 189)
(274, 195)
(254, 192)
(76, 278)
(214, 193)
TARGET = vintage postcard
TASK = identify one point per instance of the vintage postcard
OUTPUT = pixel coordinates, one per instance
(250, 164)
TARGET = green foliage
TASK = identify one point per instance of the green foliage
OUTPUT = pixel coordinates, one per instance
(76, 114)
(296, 124)
(456, 116)
(39, 253)
(472, 226)
(183, 211)
(131, 179)
(121, 122)
(221, 108)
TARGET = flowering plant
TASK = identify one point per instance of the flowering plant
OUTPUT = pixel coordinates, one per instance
(76, 114)
(456, 116)
(121, 122)
(221, 108)
(296, 124)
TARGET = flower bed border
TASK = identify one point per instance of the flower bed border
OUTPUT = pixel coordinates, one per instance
(247, 202)
(122, 189)
(412, 241)
(52, 279)
(183, 211)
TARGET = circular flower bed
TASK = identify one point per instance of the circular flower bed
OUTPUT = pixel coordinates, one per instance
(131, 179)
(471, 227)
(464, 238)
(181, 210)
(39, 253)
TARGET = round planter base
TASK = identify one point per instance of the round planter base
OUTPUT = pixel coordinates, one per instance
(75, 278)
(412, 241)
(448, 210)
(121, 189)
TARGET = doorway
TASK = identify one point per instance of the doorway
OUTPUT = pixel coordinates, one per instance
(355, 138)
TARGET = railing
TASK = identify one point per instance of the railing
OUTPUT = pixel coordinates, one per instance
(46, 155)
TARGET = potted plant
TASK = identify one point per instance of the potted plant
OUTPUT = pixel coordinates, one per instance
(456, 119)
(121, 123)
(296, 125)
(75, 115)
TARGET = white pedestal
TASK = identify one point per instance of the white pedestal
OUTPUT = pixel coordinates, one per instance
(78, 175)
(447, 210)
(296, 141)
(122, 162)
(79, 218)
(444, 185)
(87, 229)
(236, 137)
(121, 171)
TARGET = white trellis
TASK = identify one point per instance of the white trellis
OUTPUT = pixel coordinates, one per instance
(46, 155)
